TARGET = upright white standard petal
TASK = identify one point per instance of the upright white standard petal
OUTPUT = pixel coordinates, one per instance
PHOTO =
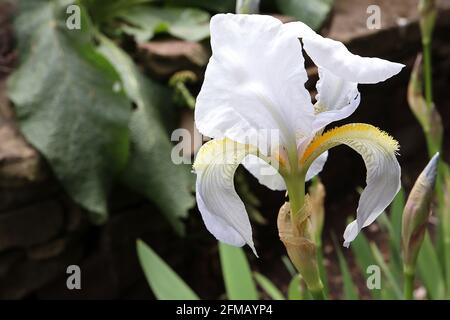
(335, 57)
(340, 71)
(254, 80)
(222, 210)
(336, 99)
(378, 151)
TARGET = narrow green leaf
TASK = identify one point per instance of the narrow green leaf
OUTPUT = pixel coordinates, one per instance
(350, 290)
(392, 281)
(268, 286)
(289, 266)
(322, 269)
(150, 170)
(236, 273)
(67, 105)
(395, 262)
(313, 13)
(295, 289)
(362, 252)
(364, 258)
(430, 271)
(164, 282)
(396, 216)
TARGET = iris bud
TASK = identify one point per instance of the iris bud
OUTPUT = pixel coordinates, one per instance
(416, 214)
(300, 247)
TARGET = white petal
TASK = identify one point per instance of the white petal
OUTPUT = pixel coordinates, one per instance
(337, 99)
(378, 151)
(383, 183)
(264, 172)
(317, 166)
(334, 56)
(222, 210)
(254, 80)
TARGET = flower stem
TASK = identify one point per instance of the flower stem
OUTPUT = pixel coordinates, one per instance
(303, 257)
(296, 190)
(408, 286)
(427, 72)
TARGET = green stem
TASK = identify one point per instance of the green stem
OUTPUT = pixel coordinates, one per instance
(295, 184)
(296, 190)
(408, 285)
(427, 72)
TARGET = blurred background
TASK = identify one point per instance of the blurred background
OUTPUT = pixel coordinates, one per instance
(85, 166)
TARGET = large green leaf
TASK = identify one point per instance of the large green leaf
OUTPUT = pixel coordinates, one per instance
(211, 5)
(313, 13)
(165, 283)
(67, 105)
(236, 273)
(104, 10)
(150, 170)
(146, 21)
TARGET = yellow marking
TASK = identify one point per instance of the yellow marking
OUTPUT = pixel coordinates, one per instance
(356, 131)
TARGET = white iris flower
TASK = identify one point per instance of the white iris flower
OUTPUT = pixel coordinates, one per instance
(255, 81)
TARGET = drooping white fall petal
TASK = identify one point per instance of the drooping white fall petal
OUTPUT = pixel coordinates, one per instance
(378, 151)
(221, 208)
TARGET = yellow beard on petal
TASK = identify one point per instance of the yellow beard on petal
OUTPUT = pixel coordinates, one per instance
(353, 131)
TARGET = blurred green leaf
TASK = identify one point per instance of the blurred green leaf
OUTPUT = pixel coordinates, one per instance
(430, 270)
(66, 103)
(396, 216)
(164, 282)
(363, 254)
(395, 237)
(350, 290)
(391, 280)
(268, 286)
(395, 261)
(150, 170)
(289, 266)
(147, 21)
(236, 273)
(364, 258)
(295, 289)
(211, 5)
(104, 10)
(322, 269)
(313, 13)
